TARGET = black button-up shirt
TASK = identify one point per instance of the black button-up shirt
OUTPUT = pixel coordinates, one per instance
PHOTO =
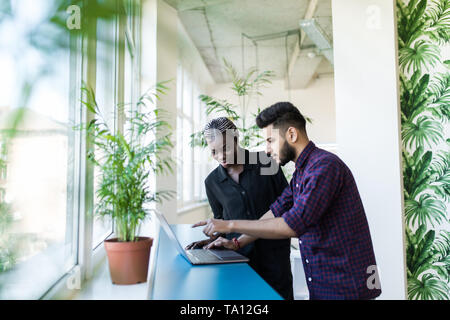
(249, 200)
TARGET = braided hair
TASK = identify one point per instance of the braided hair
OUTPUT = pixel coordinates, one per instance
(219, 126)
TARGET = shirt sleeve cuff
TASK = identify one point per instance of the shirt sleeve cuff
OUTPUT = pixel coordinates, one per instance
(294, 222)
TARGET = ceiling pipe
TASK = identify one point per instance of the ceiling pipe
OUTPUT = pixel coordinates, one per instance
(313, 30)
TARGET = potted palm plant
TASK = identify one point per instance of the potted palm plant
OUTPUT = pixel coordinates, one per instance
(125, 160)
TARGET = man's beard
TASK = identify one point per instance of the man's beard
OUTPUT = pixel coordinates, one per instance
(287, 153)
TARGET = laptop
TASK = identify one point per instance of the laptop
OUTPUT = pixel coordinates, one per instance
(201, 256)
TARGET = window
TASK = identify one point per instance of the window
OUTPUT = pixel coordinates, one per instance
(131, 61)
(43, 233)
(106, 99)
(193, 164)
(3, 166)
(115, 98)
(40, 173)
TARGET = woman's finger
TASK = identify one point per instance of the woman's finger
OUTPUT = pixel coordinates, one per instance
(216, 243)
(211, 245)
(191, 245)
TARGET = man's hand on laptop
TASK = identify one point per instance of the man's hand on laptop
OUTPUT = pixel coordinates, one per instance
(221, 243)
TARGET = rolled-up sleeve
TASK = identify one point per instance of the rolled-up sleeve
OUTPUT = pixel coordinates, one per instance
(283, 203)
(320, 187)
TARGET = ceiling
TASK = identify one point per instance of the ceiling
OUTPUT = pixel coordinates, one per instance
(216, 28)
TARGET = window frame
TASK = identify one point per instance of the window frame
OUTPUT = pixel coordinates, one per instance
(197, 173)
(96, 246)
(76, 61)
(123, 41)
(88, 258)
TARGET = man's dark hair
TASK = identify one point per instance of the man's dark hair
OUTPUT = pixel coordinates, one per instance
(282, 115)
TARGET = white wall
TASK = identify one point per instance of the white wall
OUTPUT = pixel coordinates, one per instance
(191, 60)
(368, 125)
(165, 43)
(166, 69)
(192, 63)
(195, 213)
(316, 101)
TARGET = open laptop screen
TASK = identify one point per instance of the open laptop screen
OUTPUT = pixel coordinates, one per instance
(171, 234)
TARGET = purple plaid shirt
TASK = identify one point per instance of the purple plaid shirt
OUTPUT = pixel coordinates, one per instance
(322, 205)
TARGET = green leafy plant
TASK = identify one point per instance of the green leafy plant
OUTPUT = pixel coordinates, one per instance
(421, 24)
(440, 97)
(438, 18)
(414, 96)
(419, 256)
(246, 87)
(416, 175)
(419, 94)
(428, 287)
(422, 54)
(440, 176)
(411, 22)
(424, 26)
(7, 252)
(442, 248)
(421, 173)
(426, 209)
(423, 131)
(126, 159)
(8, 249)
(424, 255)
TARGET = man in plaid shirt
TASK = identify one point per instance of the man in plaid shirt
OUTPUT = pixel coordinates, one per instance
(321, 207)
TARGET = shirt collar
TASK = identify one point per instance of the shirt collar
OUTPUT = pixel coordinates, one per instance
(301, 160)
(223, 175)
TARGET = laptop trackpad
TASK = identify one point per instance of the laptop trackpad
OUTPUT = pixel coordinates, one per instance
(226, 254)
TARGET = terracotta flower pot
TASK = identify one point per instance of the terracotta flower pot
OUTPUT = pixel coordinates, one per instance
(128, 261)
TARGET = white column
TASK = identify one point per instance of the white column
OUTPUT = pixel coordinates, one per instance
(159, 63)
(166, 69)
(368, 126)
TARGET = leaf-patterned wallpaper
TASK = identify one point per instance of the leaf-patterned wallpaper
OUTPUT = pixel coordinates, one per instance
(424, 53)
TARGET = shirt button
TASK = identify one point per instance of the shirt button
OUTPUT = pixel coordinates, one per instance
(296, 185)
(300, 241)
(307, 261)
(309, 279)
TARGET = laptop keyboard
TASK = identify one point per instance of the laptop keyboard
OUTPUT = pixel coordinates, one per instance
(201, 255)
(225, 254)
